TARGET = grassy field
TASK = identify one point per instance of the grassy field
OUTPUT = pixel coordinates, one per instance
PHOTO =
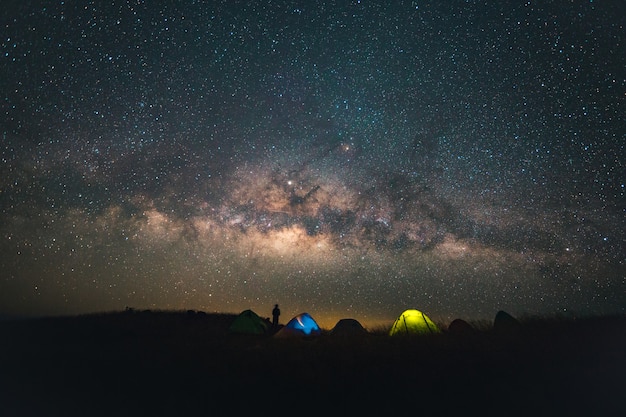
(188, 364)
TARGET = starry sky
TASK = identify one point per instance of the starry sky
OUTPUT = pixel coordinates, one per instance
(343, 158)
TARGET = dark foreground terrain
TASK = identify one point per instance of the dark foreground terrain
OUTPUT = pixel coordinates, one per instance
(187, 364)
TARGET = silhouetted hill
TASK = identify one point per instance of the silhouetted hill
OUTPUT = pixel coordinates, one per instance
(188, 364)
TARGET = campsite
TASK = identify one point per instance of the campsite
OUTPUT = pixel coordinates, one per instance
(189, 363)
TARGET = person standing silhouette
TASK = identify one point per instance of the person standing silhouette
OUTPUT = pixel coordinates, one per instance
(275, 315)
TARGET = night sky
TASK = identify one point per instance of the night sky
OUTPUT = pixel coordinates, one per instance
(347, 158)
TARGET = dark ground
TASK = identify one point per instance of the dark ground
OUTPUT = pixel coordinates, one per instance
(184, 364)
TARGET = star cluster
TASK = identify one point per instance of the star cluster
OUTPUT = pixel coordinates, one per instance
(350, 159)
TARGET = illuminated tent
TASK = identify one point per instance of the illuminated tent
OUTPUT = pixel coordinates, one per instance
(413, 322)
(248, 322)
(301, 325)
(348, 327)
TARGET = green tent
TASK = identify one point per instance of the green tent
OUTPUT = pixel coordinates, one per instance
(413, 322)
(248, 322)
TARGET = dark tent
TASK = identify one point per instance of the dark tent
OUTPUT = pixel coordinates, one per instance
(348, 327)
(460, 327)
(506, 324)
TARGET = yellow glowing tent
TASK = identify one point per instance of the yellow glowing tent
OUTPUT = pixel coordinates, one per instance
(413, 322)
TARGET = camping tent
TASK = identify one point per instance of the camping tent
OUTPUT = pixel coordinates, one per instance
(413, 322)
(301, 325)
(460, 327)
(248, 322)
(348, 327)
(506, 324)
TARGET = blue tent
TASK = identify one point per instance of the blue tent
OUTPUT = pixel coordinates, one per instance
(301, 325)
